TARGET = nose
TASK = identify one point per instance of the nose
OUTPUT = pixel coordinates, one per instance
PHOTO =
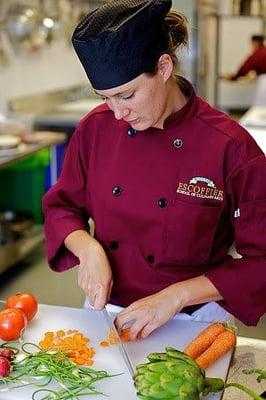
(119, 111)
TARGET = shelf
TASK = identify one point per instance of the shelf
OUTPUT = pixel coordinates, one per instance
(49, 139)
(14, 252)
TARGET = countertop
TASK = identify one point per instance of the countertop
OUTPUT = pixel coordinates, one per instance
(249, 354)
(67, 114)
(45, 139)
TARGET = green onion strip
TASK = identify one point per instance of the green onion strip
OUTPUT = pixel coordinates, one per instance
(39, 367)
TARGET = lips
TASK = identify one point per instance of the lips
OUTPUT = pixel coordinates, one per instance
(133, 121)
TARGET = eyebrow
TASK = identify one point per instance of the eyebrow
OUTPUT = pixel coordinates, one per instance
(115, 95)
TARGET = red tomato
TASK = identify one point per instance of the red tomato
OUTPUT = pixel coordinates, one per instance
(12, 323)
(25, 301)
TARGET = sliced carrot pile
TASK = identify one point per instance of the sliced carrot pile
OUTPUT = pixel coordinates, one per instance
(111, 337)
(72, 342)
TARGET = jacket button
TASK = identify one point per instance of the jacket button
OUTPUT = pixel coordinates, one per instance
(131, 132)
(150, 258)
(114, 245)
(117, 191)
(178, 143)
(162, 203)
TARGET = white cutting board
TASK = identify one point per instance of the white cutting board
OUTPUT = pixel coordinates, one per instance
(176, 333)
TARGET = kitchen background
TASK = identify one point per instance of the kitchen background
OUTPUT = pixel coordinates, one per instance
(43, 88)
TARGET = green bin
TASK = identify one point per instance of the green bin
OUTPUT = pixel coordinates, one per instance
(23, 185)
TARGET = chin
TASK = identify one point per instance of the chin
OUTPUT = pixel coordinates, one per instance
(141, 126)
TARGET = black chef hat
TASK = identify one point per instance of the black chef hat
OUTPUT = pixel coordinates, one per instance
(121, 39)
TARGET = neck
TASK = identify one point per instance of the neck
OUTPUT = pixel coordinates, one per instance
(175, 100)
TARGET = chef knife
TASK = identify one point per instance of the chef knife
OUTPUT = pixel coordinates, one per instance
(121, 348)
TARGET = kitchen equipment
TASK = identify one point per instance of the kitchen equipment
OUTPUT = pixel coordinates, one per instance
(24, 26)
(10, 126)
(9, 142)
(4, 57)
(81, 106)
(13, 226)
(13, 151)
(121, 348)
(17, 222)
(176, 333)
(6, 234)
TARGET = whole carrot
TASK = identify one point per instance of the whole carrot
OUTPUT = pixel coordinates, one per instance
(204, 340)
(225, 342)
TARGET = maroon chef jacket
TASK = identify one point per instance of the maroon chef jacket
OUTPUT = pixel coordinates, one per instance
(167, 204)
(255, 62)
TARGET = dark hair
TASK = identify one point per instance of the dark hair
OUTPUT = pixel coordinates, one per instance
(258, 38)
(177, 25)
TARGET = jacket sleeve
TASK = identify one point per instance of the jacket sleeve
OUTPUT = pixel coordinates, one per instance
(64, 207)
(249, 65)
(242, 282)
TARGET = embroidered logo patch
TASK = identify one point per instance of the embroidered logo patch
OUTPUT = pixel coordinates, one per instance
(201, 187)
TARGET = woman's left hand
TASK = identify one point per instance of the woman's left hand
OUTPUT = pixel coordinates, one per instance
(147, 314)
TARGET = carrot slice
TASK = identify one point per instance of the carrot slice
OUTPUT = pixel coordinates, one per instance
(111, 337)
(104, 343)
(60, 333)
(225, 342)
(125, 335)
(204, 340)
(80, 361)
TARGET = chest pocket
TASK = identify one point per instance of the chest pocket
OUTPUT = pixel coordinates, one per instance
(190, 230)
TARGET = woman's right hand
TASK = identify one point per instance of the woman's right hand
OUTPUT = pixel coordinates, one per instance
(95, 274)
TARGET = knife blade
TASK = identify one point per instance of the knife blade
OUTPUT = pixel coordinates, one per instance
(120, 345)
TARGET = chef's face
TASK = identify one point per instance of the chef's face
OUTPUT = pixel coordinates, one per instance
(142, 102)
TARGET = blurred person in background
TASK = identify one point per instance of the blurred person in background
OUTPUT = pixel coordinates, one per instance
(256, 62)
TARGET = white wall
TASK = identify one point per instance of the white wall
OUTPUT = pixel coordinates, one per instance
(54, 67)
(187, 57)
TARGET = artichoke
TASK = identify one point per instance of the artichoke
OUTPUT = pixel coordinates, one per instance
(173, 375)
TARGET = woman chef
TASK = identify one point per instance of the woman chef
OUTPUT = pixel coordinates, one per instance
(169, 181)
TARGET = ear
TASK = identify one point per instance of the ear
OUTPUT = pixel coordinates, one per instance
(165, 66)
